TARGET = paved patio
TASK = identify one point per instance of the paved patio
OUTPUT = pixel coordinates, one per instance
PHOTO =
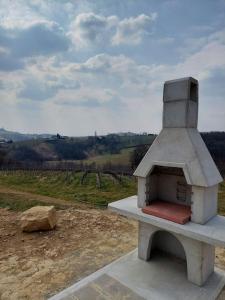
(162, 278)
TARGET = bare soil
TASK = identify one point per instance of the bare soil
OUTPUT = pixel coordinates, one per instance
(38, 265)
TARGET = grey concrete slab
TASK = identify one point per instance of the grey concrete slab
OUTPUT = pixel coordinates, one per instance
(222, 295)
(212, 232)
(102, 288)
(162, 278)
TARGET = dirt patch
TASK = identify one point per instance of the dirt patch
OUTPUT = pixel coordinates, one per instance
(38, 265)
(220, 258)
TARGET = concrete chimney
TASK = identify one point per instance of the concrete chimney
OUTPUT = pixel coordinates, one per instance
(180, 103)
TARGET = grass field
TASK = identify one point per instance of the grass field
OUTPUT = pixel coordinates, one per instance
(66, 186)
(18, 202)
(221, 199)
(123, 158)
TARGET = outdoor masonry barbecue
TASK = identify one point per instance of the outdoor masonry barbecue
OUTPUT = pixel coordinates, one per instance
(177, 178)
(177, 188)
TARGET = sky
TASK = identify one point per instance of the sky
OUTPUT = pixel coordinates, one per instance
(76, 67)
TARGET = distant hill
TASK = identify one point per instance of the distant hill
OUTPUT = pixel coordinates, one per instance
(44, 148)
(58, 147)
(16, 136)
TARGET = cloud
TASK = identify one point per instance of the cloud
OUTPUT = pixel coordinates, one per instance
(9, 63)
(118, 72)
(132, 30)
(85, 96)
(49, 78)
(111, 64)
(37, 90)
(89, 28)
(41, 84)
(42, 38)
(92, 29)
(108, 89)
(102, 62)
(39, 38)
(139, 86)
(203, 62)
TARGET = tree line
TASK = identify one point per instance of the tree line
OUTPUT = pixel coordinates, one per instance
(62, 154)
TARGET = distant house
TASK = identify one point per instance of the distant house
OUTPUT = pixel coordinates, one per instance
(57, 137)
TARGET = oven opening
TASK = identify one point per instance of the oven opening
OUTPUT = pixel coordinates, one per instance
(168, 195)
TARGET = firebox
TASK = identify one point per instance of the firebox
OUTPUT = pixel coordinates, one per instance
(167, 194)
(168, 184)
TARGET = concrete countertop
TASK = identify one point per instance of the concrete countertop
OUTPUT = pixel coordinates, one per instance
(213, 232)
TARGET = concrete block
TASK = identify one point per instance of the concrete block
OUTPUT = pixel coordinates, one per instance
(192, 114)
(204, 203)
(141, 192)
(151, 188)
(145, 233)
(200, 262)
(174, 114)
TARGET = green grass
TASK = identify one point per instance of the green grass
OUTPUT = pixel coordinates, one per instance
(67, 186)
(122, 158)
(17, 202)
(221, 198)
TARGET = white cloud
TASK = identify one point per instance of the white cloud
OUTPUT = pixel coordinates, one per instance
(36, 39)
(205, 60)
(17, 14)
(85, 96)
(90, 79)
(132, 30)
(104, 62)
(91, 29)
(105, 92)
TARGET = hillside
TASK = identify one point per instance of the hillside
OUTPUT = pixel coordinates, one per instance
(113, 149)
(59, 148)
(17, 136)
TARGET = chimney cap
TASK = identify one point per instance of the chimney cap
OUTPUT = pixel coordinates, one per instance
(180, 103)
(181, 89)
(189, 78)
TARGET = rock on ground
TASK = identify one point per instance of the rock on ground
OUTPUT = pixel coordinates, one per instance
(38, 218)
(40, 264)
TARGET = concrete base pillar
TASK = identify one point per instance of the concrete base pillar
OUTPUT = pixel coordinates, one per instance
(199, 256)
